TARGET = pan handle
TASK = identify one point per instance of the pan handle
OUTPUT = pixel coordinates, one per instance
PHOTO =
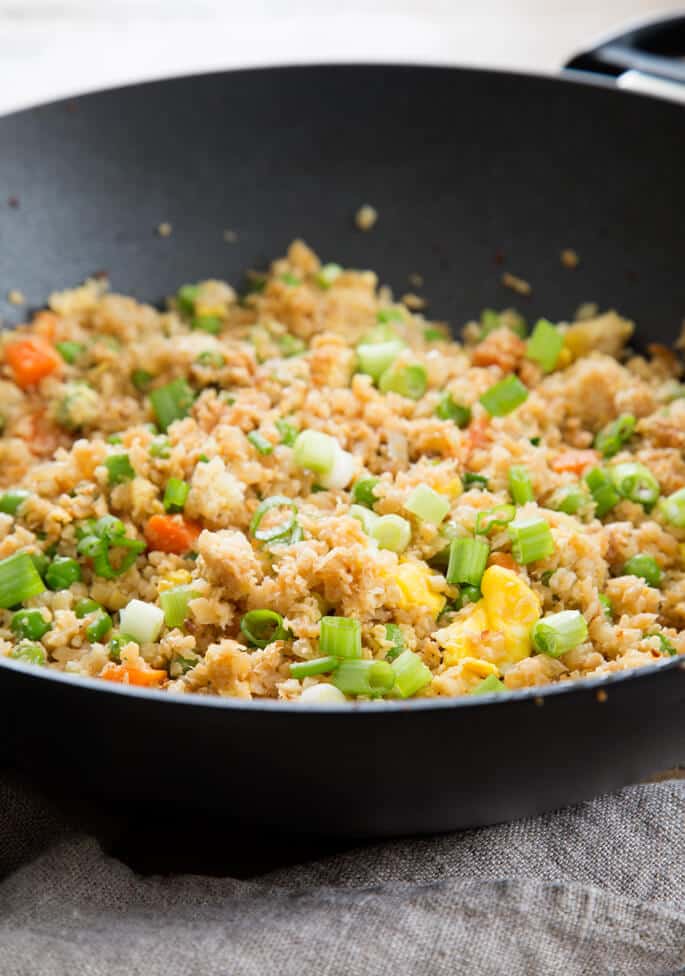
(649, 58)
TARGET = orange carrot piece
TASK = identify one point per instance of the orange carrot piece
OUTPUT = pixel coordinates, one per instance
(126, 675)
(30, 361)
(574, 461)
(171, 533)
(503, 559)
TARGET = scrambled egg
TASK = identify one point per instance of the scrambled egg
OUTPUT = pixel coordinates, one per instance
(177, 577)
(508, 607)
(415, 591)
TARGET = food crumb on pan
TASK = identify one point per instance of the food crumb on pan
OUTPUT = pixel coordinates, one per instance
(16, 297)
(414, 302)
(164, 229)
(230, 236)
(519, 285)
(13, 202)
(601, 696)
(569, 258)
(366, 217)
(415, 280)
(588, 310)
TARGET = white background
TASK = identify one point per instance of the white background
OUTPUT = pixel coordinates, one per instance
(50, 48)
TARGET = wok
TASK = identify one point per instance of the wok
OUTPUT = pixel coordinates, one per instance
(468, 169)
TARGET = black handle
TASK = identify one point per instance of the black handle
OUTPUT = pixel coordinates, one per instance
(656, 48)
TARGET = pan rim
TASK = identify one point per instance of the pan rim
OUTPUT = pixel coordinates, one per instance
(540, 695)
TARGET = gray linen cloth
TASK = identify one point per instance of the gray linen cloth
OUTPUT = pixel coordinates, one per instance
(594, 889)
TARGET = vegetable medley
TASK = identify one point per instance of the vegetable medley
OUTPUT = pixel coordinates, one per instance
(309, 492)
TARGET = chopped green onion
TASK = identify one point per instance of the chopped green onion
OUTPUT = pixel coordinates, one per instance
(559, 632)
(30, 653)
(569, 499)
(62, 572)
(70, 351)
(428, 505)
(186, 296)
(545, 345)
(494, 518)
(19, 580)
(115, 439)
(207, 323)
(468, 559)
(362, 491)
(602, 490)
(31, 624)
(263, 627)
(607, 605)
(467, 594)
(287, 432)
(171, 402)
(489, 321)
(141, 379)
(472, 480)
(531, 539)
(644, 566)
(340, 637)
(98, 539)
(504, 396)
(175, 495)
(374, 358)
(319, 665)
(160, 447)
(143, 621)
(672, 508)
(366, 516)
(431, 334)
(666, 646)
(288, 278)
(449, 409)
(379, 333)
(174, 602)
(208, 357)
(409, 381)
(291, 345)
(488, 686)
(327, 274)
(119, 469)
(385, 315)
(84, 607)
(99, 628)
(611, 439)
(508, 319)
(260, 443)
(315, 451)
(520, 485)
(536, 441)
(393, 633)
(281, 532)
(635, 482)
(363, 677)
(182, 665)
(411, 674)
(12, 500)
(392, 532)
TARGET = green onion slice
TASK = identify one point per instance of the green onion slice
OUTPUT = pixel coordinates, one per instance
(19, 580)
(263, 627)
(559, 632)
(520, 485)
(504, 396)
(319, 665)
(280, 532)
(545, 345)
(468, 559)
(611, 439)
(494, 518)
(370, 678)
(340, 637)
(531, 540)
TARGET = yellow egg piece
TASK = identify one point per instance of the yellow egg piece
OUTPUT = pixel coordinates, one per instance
(512, 609)
(462, 638)
(415, 591)
(177, 577)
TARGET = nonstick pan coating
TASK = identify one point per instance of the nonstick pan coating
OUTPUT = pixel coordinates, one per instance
(472, 173)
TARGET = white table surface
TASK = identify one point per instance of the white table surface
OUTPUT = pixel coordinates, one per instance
(52, 48)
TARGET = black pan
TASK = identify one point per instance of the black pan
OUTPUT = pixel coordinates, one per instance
(467, 169)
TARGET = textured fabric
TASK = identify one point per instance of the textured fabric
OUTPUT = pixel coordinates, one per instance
(595, 889)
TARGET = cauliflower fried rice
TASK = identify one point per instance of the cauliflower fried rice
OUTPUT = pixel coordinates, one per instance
(310, 492)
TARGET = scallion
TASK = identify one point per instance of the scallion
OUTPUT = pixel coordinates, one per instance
(175, 495)
(160, 447)
(141, 379)
(391, 532)
(393, 633)
(602, 489)
(611, 439)
(370, 678)
(286, 431)
(263, 627)
(468, 559)
(449, 409)
(545, 345)
(505, 396)
(143, 621)
(283, 531)
(569, 499)
(260, 443)
(186, 296)
(427, 504)
(363, 491)
(327, 274)
(666, 646)
(119, 469)
(520, 485)
(211, 359)
(607, 606)
(385, 315)
(207, 323)
(374, 358)
(470, 479)
(672, 508)
(319, 665)
(171, 402)
(340, 637)
(411, 674)
(409, 381)
(489, 686)
(644, 566)
(531, 540)
(12, 500)
(288, 278)
(494, 518)
(19, 580)
(559, 632)
(636, 483)
(366, 516)
(174, 603)
(315, 451)
(70, 351)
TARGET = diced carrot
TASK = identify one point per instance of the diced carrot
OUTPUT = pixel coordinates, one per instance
(126, 675)
(45, 325)
(171, 533)
(574, 462)
(503, 559)
(31, 360)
